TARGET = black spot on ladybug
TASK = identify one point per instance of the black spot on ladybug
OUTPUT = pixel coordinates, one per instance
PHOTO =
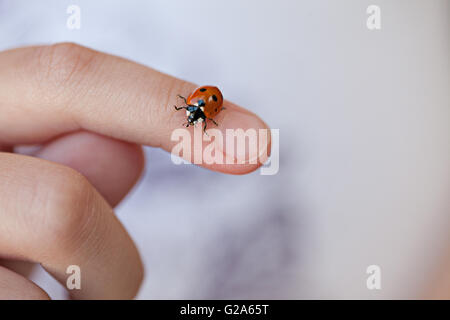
(214, 97)
(202, 90)
(215, 109)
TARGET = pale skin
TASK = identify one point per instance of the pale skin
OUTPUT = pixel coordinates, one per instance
(90, 113)
(56, 207)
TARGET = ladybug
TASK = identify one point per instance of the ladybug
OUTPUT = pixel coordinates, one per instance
(204, 103)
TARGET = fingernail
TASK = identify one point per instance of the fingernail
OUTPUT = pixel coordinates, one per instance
(251, 131)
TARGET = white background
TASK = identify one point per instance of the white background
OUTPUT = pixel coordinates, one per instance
(364, 142)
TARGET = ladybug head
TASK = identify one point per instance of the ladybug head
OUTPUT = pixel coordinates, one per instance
(195, 114)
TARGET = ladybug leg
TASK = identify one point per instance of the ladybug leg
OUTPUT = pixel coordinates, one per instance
(213, 121)
(204, 127)
(179, 108)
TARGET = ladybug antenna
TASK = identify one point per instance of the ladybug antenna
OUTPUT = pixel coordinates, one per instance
(181, 97)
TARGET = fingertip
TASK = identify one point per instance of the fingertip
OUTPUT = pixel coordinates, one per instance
(240, 144)
(255, 135)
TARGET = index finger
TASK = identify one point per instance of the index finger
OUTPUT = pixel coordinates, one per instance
(46, 91)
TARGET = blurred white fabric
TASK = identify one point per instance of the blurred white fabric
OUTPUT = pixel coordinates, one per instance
(364, 142)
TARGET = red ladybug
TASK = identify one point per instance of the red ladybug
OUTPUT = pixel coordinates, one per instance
(204, 103)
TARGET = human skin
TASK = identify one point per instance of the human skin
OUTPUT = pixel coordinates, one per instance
(439, 288)
(90, 113)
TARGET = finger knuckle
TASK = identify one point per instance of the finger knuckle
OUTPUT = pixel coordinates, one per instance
(63, 66)
(67, 199)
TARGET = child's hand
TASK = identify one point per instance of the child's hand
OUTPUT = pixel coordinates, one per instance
(90, 112)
